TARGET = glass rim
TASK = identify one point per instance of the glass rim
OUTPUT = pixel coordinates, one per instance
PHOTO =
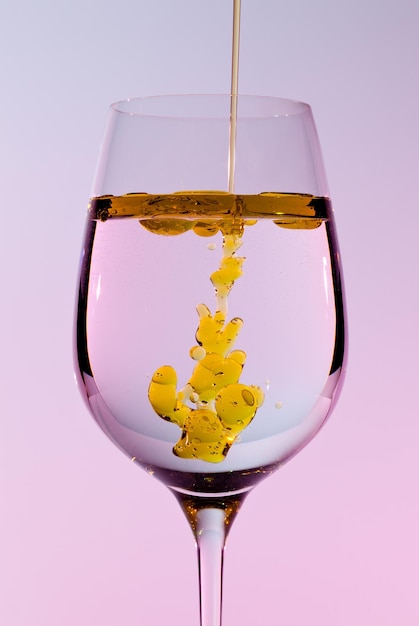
(273, 106)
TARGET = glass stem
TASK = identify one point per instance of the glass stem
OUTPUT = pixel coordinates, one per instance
(210, 535)
(210, 519)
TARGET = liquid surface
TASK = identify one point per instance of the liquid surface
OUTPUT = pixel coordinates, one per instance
(260, 379)
(178, 212)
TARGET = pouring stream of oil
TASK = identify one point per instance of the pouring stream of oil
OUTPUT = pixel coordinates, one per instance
(234, 94)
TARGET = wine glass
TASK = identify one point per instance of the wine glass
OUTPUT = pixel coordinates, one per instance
(210, 320)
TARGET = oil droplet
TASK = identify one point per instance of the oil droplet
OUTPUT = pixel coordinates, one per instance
(197, 353)
(248, 397)
(299, 223)
(206, 229)
(167, 227)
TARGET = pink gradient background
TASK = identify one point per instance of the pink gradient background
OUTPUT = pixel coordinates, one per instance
(85, 537)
